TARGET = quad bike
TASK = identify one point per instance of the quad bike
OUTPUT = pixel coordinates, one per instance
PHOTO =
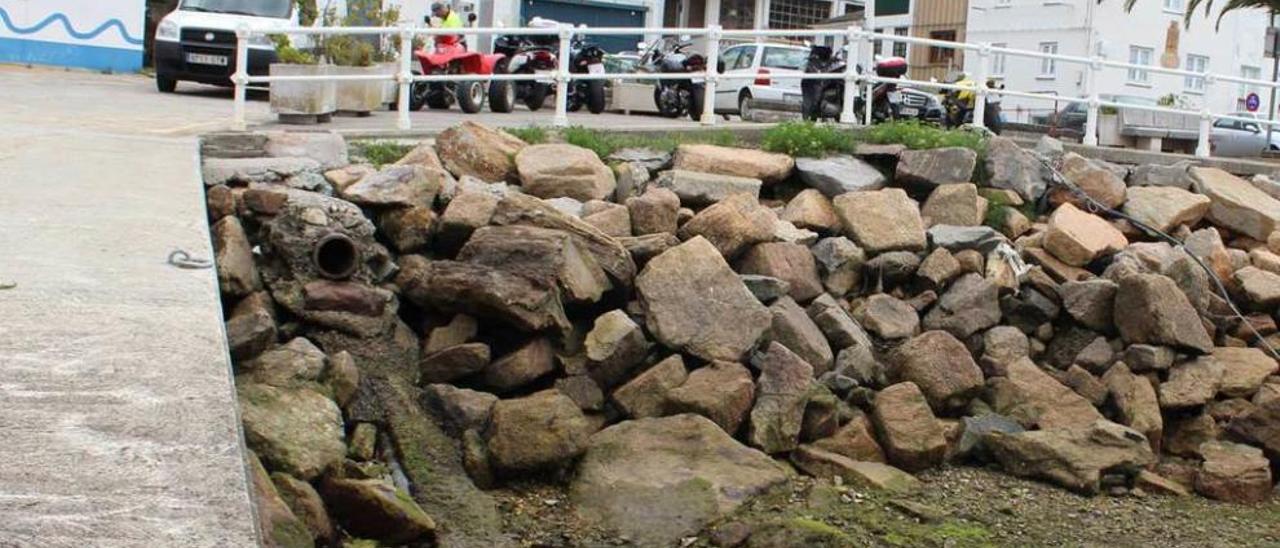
(450, 56)
(532, 55)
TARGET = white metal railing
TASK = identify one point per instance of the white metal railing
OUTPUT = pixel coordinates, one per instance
(858, 42)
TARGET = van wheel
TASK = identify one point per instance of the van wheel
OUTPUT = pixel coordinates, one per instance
(165, 84)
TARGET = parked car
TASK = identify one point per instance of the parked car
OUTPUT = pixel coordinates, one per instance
(749, 71)
(1275, 134)
(1234, 138)
(197, 41)
(1071, 119)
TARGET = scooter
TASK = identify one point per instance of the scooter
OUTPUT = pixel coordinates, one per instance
(676, 96)
(822, 99)
(450, 56)
(586, 58)
(959, 105)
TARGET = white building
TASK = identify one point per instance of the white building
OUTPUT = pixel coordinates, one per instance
(1153, 34)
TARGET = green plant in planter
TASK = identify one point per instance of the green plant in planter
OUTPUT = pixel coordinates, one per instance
(289, 54)
(362, 51)
(307, 12)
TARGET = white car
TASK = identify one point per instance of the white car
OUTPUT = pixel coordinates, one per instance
(1235, 138)
(750, 72)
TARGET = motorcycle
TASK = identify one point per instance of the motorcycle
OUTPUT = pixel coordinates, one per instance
(532, 55)
(586, 58)
(824, 99)
(676, 96)
(959, 105)
(450, 56)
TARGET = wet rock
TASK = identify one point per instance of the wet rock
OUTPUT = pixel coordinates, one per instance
(461, 329)
(695, 303)
(453, 363)
(233, 255)
(971, 305)
(1237, 205)
(294, 430)
(882, 220)
(376, 509)
(889, 318)
(913, 438)
(479, 151)
(811, 210)
(306, 504)
(936, 167)
(1009, 167)
(955, 204)
(721, 391)
(1075, 458)
(792, 327)
(276, 521)
(646, 395)
(561, 170)
(480, 291)
(836, 175)
(654, 212)
(659, 480)
(551, 257)
(782, 393)
(539, 432)
(1033, 398)
(791, 263)
(732, 225)
(459, 409)
(1096, 181)
(1191, 384)
(526, 364)
(1233, 472)
(697, 189)
(824, 464)
(741, 162)
(1090, 302)
(1077, 238)
(1149, 309)
(941, 367)
(1165, 208)
(615, 346)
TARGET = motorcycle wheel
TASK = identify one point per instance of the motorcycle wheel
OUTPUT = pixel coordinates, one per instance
(502, 96)
(536, 96)
(470, 96)
(993, 119)
(666, 106)
(595, 97)
(697, 96)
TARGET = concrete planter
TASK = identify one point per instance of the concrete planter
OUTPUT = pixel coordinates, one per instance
(359, 97)
(1109, 130)
(303, 102)
(390, 88)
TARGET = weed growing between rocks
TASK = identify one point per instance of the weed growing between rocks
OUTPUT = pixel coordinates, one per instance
(380, 153)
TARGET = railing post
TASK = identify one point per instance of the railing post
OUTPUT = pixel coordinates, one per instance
(850, 76)
(1203, 148)
(562, 78)
(405, 79)
(713, 75)
(240, 78)
(980, 86)
(1091, 117)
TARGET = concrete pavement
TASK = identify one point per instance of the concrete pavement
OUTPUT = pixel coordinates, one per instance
(117, 411)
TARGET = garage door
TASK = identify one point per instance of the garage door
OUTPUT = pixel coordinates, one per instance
(591, 14)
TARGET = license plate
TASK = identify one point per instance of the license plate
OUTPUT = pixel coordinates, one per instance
(595, 68)
(203, 59)
(908, 111)
(791, 99)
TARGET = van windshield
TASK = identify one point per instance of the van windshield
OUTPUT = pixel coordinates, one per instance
(280, 9)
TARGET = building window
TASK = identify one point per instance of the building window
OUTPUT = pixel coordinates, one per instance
(900, 48)
(1196, 63)
(1140, 56)
(797, 14)
(1175, 6)
(997, 61)
(942, 56)
(1250, 73)
(1049, 67)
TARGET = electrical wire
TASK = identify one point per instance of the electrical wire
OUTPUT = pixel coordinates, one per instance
(1093, 206)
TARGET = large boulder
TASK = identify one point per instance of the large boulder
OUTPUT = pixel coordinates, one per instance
(889, 317)
(1075, 458)
(1165, 207)
(1149, 309)
(695, 303)
(528, 363)
(913, 437)
(654, 212)
(1236, 204)
(544, 431)
(479, 151)
(277, 523)
(823, 464)
(936, 167)
(811, 210)
(559, 171)
(1094, 180)
(971, 305)
(614, 346)
(295, 430)
(1233, 472)
(855, 440)
(1261, 287)
(1090, 302)
(398, 186)
(1261, 427)
(520, 209)
(376, 509)
(783, 391)
(882, 220)
(1033, 398)
(481, 291)
(697, 189)
(740, 162)
(732, 225)
(791, 263)
(552, 257)
(1191, 384)
(233, 255)
(659, 480)
(1077, 238)
(836, 175)
(941, 367)
(1011, 168)
(1136, 403)
(1243, 370)
(721, 391)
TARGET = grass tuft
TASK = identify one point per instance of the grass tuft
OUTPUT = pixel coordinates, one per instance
(381, 153)
(534, 135)
(917, 136)
(807, 139)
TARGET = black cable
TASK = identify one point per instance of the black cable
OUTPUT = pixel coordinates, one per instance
(1093, 206)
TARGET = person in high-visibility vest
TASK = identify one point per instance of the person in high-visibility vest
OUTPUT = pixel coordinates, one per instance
(449, 19)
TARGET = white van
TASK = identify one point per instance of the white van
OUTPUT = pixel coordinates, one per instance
(197, 41)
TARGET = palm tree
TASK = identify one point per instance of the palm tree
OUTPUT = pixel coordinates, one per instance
(1231, 5)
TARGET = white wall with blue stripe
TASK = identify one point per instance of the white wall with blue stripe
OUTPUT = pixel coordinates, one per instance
(92, 34)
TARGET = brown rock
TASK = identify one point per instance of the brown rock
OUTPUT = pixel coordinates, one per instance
(521, 367)
(1077, 238)
(1096, 181)
(278, 525)
(792, 327)
(721, 391)
(643, 248)
(732, 225)
(479, 151)
(539, 432)
(564, 171)
(1154, 483)
(610, 218)
(422, 155)
(1075, 458)
(1243, 370)
(889, 318)
(1234, 473)
(551, 257)
(812, 210)
(934, 167)
(397, 186)
(306, 504)
(654, 212)
(461, 329)
(376, 509)
(855, 440)
(343, 177)
(1185, 435)
(1260, 426)
(824, 464)
(480, 291)
(955, 204)
(458, 409)
(1033, 398)
(519, 209)
(1165, 208)
(466, 213)
(646, 395)
(1136, 403)
(251, 329)
(1150, 309)
(1261, 287)
(615, 346)
(352, 298)
(792, 263)
(1191, 384)
(1088, 386)
(233, 255)
(1237, 205)
(913, 437)
(409, 229)
(941, 367)
(782, 393)
(969, 306)
(882, 220)
(938, 268)
(739, 162)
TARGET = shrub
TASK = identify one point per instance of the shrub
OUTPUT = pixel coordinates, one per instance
(807, 139)
(289, 54)
(917, 136)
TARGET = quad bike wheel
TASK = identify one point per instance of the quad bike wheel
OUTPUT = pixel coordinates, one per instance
(502, 93)
(470, 96)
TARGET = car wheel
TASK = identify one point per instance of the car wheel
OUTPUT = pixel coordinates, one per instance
(165, 84)
(744, 106)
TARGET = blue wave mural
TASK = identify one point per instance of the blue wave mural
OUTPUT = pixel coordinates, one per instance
(66, 24)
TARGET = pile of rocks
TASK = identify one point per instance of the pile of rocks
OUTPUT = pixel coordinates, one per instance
(673, 334)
